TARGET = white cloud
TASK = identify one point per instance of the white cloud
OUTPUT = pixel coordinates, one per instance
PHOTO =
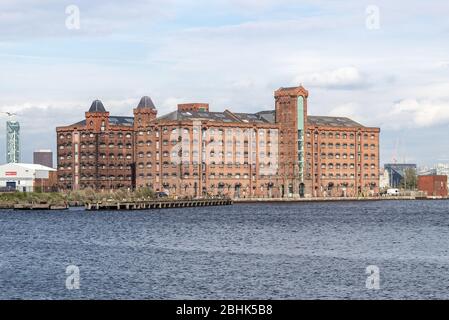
(414, 113)
(266, 28)
(254, 4)
(170, 104)
(21, 19)
(350, 110)
(434, 90)
(341, 78)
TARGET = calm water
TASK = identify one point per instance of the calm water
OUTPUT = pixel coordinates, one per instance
(287, 251)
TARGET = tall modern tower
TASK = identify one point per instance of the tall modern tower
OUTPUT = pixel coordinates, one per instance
(12, 142)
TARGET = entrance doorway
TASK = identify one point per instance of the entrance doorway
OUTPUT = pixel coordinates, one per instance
(11, 185)
(237, 190)
(302, 190)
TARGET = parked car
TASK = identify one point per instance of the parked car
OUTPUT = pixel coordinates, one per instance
(161, 195)
(392, 192)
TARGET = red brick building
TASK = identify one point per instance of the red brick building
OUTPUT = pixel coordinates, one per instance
(194, 151)
(47, 185)
(434, 186)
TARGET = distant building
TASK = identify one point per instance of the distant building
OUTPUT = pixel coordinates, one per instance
(426, 171)
(26, 177)
(396, 172)
(440, 169)
(434, 185)
(384, 179)
(43, 157)
(12, 142)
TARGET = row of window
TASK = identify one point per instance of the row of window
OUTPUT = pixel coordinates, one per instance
(111, 146)
(164, 143)
(212, 176)
(212, 154)
(341, 146)
(90, 166)
(92, 177)
(209, 131)
(212, 165)
(231, 142)
(84, 146)
(344, 156)
(345, 166)
(176, 131)
(101, 156)
(110, 185)
(346, 176)
(166, 164)
(149, 143)
(337, 135)
(92, 135)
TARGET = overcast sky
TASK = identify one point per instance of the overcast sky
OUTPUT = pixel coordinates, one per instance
(391, 72)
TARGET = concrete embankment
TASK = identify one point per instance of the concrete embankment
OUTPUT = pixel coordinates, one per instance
(39, 206)
(329, 199)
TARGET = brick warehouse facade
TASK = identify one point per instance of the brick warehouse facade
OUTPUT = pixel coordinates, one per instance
(193, 151)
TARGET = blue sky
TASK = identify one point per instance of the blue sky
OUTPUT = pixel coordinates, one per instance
(231, 54)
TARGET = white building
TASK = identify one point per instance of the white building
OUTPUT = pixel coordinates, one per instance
(384, 179)
(443, 170)
(22, 176)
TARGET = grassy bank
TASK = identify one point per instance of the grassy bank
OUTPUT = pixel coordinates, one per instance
(93, 195)
(8, 200)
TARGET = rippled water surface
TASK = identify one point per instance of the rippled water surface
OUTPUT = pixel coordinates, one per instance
(266, 251)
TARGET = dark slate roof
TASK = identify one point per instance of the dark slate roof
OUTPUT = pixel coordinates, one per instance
(268, 116)
(122, 121)
(332, 121)
(97, 106)
(200, 115)
(146, 102)
(287, 88)
(300, 87)
(252, 117)
(225, 116)
(113, 120)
